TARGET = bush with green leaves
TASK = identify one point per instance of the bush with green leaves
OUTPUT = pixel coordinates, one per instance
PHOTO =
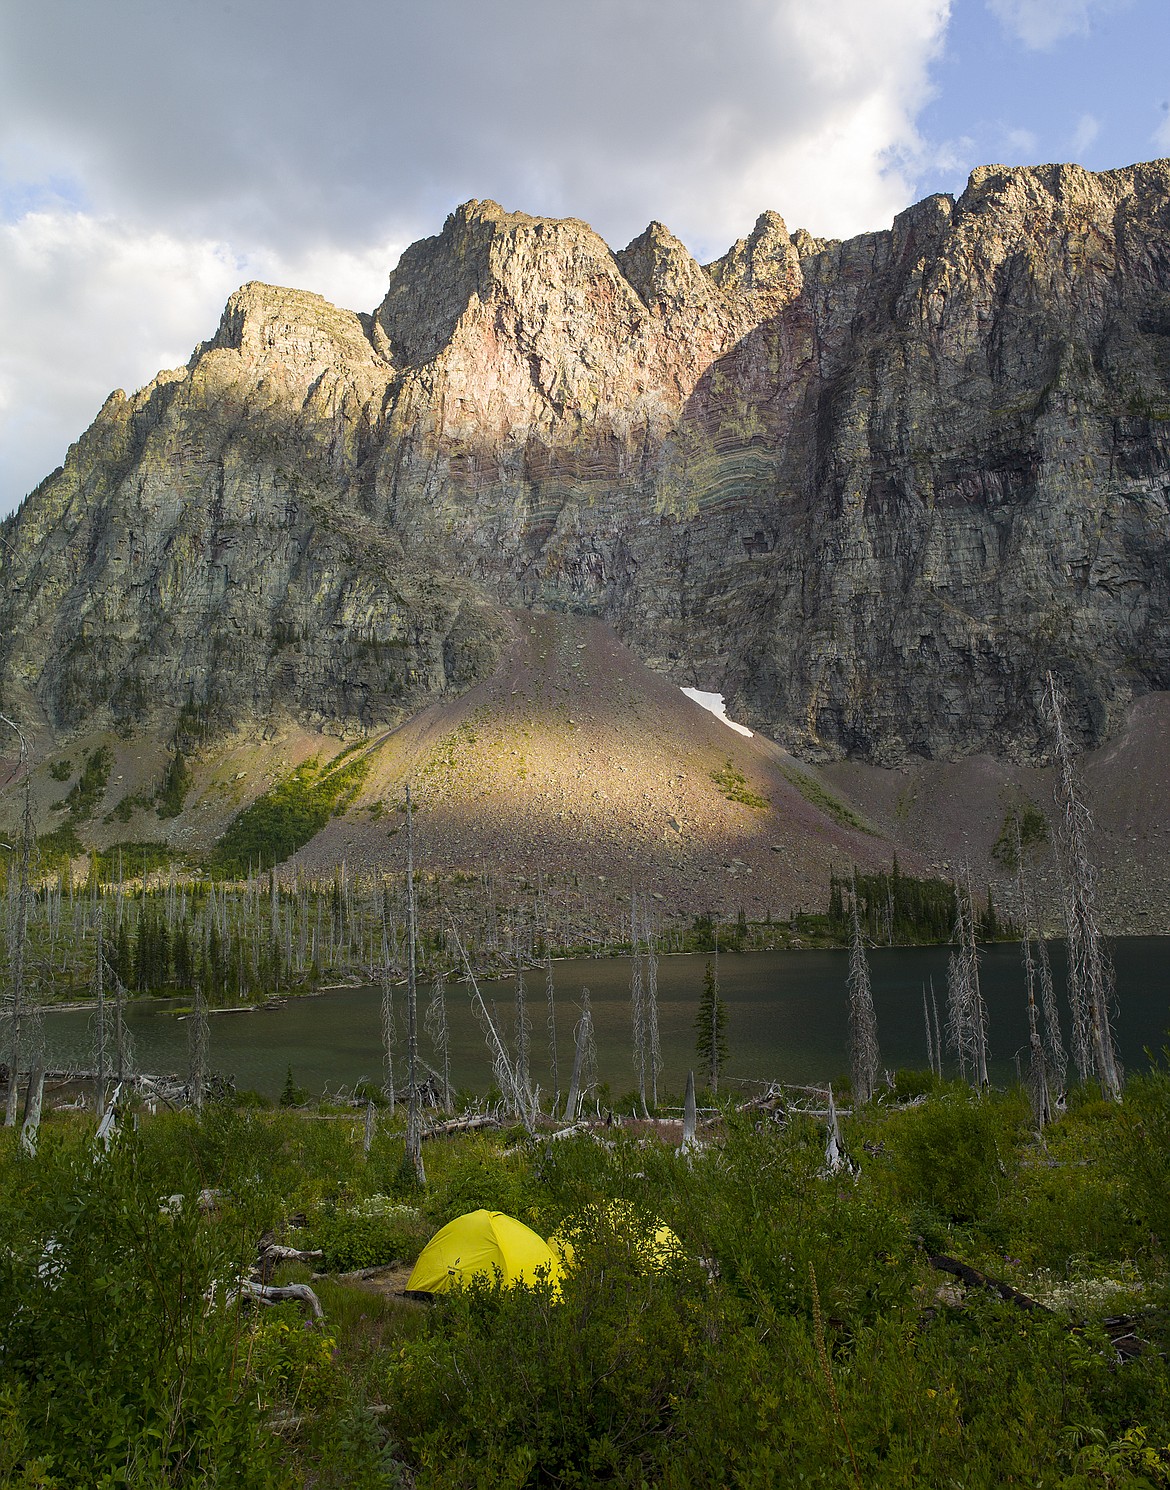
(957, 1153)
(116, 1369)
(374, 1232)
(798, 1336)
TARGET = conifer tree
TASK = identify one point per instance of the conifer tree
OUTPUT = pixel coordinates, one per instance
(711, 1029)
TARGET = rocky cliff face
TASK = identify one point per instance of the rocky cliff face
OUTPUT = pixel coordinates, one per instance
(871, 490)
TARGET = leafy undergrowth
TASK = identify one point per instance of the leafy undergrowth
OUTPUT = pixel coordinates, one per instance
(800, 1336)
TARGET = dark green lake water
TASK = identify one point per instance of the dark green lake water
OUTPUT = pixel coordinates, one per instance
(787, 1020)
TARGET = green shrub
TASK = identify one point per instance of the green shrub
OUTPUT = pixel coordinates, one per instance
(1142, 1153)
(114, 1366)
(733, 784)
(377, 1231)
(957, 1153)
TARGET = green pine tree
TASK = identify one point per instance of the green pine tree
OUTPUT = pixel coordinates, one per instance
(711, 1029)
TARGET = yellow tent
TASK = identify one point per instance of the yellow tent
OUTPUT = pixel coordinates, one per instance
(652, 1243)
(484, 1244)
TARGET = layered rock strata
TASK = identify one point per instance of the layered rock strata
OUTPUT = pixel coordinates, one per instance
(872, 491)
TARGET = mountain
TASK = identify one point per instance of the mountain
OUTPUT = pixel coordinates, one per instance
(870, 490)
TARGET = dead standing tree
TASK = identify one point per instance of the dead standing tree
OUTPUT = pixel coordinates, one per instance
(584, 1061)
(1090, 973)
(551, 1001)
(197, 1041)
(389, 1034)
(653, 1041)
(502, 1069)
(17, 954)
(413, 1155)
(864, 1056)
(435, 1025)
(966, 1011)
(1037, 1069)
(638, 1006)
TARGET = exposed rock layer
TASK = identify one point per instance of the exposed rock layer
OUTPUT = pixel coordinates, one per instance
(870, 490)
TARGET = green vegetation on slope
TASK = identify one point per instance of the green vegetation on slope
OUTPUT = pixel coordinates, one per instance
(733, 784)
(817, 796)
(89, 788)
(284, 818)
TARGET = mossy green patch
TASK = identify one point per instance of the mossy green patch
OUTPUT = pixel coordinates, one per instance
(89, 788)
(815, 794)
(733, 784)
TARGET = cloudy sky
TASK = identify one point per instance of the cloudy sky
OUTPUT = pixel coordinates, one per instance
(154, 154)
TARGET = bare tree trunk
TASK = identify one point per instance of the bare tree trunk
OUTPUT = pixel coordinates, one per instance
(978, 1007)
(502, 1069)
(938, 1034)
(865, 1058)
(413, 1138)
(1057, 1059)
(99, 1039)
(653, 1041)
(436, 1026)
(550, 997)
(387, 1011)
(18, 946)
(1090, 971)
(690, 1114)
(637, 1007)
(197, 1050)
(523, 1029)
(579, 1081)
(1037, 1072)
(30, 1129)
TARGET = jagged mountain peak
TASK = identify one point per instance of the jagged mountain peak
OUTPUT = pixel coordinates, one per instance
(871, 491)
(766, 260)
(294, 327)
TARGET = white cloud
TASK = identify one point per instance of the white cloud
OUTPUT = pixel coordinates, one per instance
(1021, 144)
(1161, 135)
(153, 157)
(1087, 130)
(1040, 24)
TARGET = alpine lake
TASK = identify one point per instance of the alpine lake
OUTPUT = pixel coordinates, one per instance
(787, 1021)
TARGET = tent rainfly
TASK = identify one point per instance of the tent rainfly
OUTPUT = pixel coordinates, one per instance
(651, 1242)
(484, 1244)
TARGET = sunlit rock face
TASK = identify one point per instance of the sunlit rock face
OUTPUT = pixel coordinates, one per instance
(870, 491)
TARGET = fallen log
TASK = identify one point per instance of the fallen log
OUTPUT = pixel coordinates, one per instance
(973, 1278)
(460, 1125)
(270, 1293)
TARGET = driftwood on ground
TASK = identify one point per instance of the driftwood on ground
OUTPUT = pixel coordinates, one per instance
(269, 1293)
(468, 1124)
(973, 1278)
